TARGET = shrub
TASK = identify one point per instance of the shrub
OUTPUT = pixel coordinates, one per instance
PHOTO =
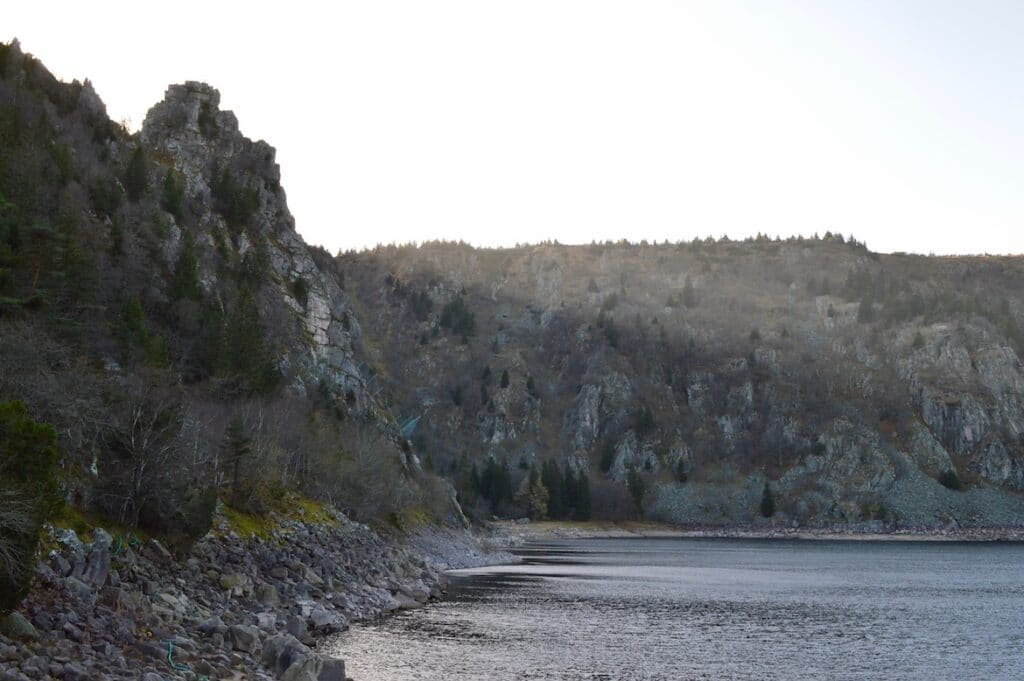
(531, 388)
(950, 480)
(456, 316)
(767, 501)
(607, 456)
(173, 191)
(106, 195)
(236, 202)
(137, 341)
(681, 474)
(551, 476)
(136, 177)
(637, 487)
(495, 484)
(643, 421)
(29, 496)
(236, 452)
(300, 289)
(207, 121)
(186, 272)
(246, 358)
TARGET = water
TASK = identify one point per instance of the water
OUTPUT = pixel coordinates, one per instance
(714, 609)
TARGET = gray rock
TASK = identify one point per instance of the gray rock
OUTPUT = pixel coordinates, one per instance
(244, 638)
(285, 655)
(76, 672)
(60, 564)
(237, 584)
(267, 594)
(267, 621)
(333, 670)
(72, 632)
(97, 567)
(15, 626)
(156, 552)
(36, 663)
(78, 589)
(322, 621)
(296, 626)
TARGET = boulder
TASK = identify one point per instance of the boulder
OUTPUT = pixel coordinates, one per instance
(296, 626)
(267, 594)
(212, 625)
(267, 621)
(244, 638)
(290, 660)
(156, 552)
(14, 625)
(418, 591)
(237, 584)
(284, 654)
(313, 578)
(333, 670)
(97, 567)
(76, 672)
(322, 621)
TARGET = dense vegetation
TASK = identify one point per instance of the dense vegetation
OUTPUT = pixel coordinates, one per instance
(159, 353)
(684, 379)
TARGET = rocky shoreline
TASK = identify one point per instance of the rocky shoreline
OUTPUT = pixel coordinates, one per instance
(514, 533)
(246, 605)
(234, 607)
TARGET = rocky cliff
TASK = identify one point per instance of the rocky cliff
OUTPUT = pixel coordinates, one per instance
(858, 387)
(155, 282)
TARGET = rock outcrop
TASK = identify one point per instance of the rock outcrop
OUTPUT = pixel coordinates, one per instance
(862, 388)
(204, 144)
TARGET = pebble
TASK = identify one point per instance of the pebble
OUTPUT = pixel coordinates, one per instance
(96, 615)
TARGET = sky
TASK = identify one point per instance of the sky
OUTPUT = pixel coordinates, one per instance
(900, 122)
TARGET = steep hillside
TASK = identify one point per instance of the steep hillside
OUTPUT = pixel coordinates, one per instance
(855, 387)
(159, 311)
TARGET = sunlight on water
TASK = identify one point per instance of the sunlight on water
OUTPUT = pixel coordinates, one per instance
(714, 609)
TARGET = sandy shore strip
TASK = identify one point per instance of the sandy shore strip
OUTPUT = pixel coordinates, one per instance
(517, 532)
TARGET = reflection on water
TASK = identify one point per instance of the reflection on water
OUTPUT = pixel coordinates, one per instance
(714, 609)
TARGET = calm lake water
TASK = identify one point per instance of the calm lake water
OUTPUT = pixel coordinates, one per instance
(714, 609)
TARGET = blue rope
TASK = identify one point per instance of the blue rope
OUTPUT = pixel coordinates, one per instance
(176, 666)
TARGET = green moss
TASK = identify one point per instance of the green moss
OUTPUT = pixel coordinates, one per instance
(83, 523)
(407, 519)
(287, 506)
(249, 525)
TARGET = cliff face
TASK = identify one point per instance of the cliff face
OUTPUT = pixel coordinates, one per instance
(204, 145)
(154, 294)
(849, 382)
(160, 273)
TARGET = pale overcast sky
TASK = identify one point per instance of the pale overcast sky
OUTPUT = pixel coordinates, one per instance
(519, 121)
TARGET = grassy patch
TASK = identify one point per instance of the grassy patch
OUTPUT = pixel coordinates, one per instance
(248, 525)
(288, 506)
